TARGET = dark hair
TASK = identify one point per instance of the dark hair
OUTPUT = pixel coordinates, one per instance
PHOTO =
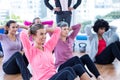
(100, 23)
(8, 25)
(35, 19)
(33, 28)
(62, 24)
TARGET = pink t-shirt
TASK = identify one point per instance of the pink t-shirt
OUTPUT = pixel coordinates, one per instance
(42, 62)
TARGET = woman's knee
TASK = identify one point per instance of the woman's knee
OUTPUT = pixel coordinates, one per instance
(70, 75)
(79, 70)
(70, 69)
(65, 74)
(75, 58)
(85, 58)
(86, 55)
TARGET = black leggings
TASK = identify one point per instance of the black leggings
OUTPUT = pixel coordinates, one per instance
(65, 74)
(108, 55)
(17, 64)
(84, 60)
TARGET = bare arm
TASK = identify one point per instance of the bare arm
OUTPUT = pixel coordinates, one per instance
(22, 26)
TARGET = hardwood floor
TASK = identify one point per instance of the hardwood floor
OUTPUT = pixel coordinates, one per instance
(8, 77)
(109, 72)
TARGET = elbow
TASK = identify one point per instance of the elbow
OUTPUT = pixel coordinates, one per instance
(77, 26)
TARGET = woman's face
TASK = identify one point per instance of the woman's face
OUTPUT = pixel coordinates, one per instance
(101, 31)
(12, 29)
(64, 31)
(40, 36)
(37, 21)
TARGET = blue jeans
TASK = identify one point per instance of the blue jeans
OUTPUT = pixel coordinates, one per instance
(17, 64)
(65, 74)
(64, 16)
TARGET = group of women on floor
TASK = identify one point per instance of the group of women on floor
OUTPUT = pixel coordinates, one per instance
(19, 50)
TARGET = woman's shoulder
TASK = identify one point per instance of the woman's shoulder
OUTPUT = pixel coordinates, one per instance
(3, 35)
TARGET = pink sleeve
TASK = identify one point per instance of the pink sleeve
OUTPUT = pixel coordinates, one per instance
(54, 39)
(76, 29)
(50, 23)
(26, 43)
